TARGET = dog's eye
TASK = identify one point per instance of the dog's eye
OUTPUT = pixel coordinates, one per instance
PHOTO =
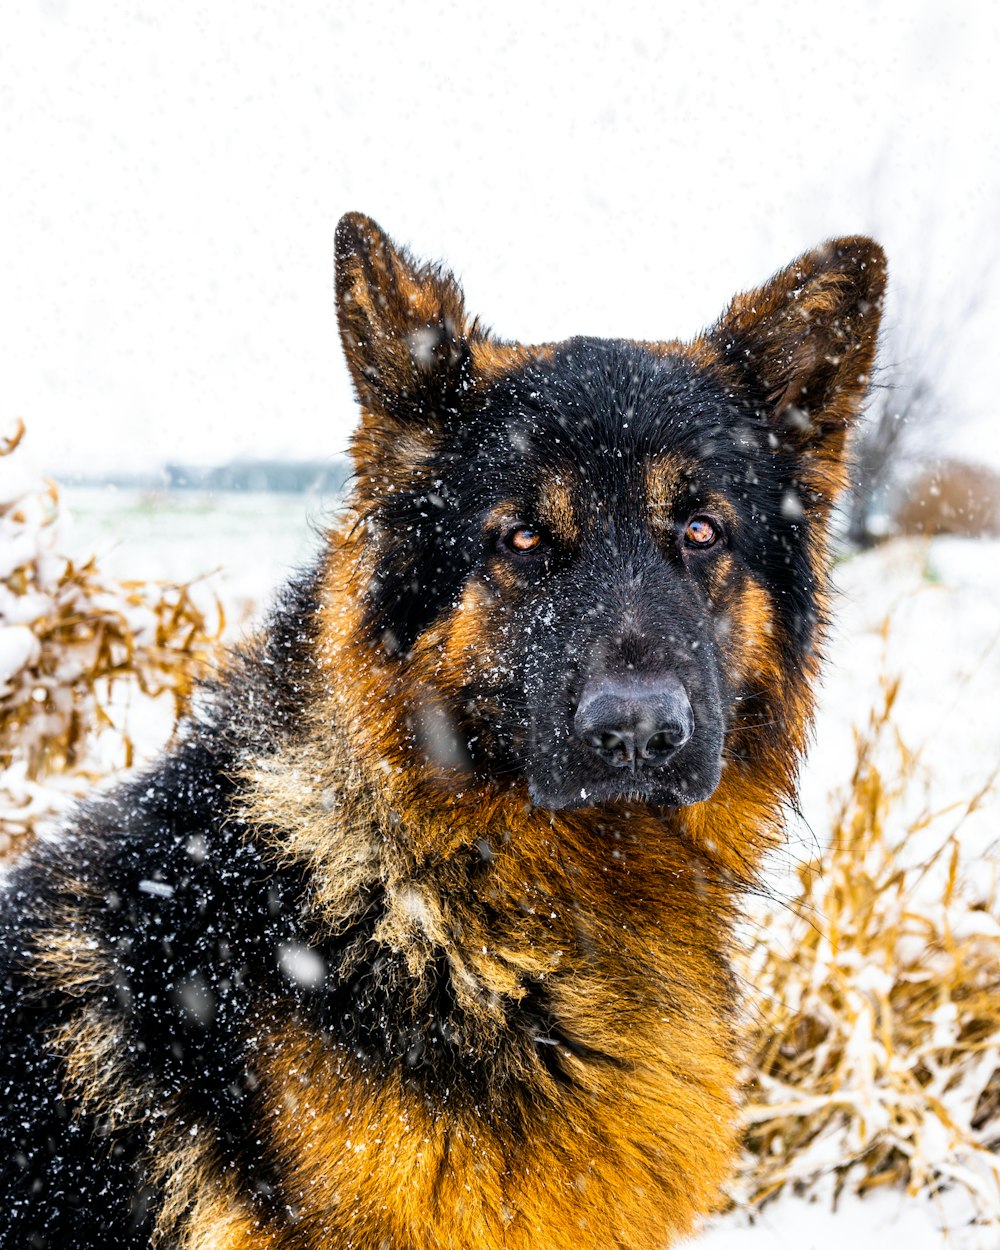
(701, 531)
(522, 539)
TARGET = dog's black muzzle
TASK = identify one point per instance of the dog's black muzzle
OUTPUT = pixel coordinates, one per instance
(634, 721)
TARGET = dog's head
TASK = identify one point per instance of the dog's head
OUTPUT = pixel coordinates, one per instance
(600, 563)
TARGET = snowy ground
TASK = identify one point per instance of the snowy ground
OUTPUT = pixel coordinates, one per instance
(883, 1220)
(243, 544)
(926, 612)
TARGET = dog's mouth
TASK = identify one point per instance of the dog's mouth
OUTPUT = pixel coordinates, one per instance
(592, 787)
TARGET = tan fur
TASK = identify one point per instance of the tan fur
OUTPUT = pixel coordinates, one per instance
(557, 509)
(205, 1212)
(398, 1172)
(665, 477)
(221, 1226)
(90, 1045)
(68, 956)
(492, 359)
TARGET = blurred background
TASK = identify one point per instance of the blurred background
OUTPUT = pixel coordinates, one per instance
(174, 174)
(173, 382)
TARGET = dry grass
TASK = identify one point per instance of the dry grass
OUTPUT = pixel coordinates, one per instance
(89, 646)
(876, 994)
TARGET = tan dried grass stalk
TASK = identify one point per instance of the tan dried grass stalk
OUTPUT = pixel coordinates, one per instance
(876, 997)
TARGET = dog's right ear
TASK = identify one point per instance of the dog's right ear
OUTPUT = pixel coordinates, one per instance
(403, 327)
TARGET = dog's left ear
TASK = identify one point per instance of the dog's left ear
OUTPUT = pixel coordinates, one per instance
(403, 326)
(804, 345)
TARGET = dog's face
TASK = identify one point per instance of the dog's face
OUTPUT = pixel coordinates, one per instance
(599, 562)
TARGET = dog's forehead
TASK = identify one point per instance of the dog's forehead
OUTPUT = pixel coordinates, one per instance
(612, 416)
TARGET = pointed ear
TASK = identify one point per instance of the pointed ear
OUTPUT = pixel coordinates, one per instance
(403, 325)
(804, 345)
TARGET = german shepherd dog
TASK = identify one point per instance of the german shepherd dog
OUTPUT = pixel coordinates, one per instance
(419, 934)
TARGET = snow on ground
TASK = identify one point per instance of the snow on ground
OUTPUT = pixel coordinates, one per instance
(243, 544)
(928, 613)
(884, 1219)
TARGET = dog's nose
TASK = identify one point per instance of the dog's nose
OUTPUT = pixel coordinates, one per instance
(634, 721)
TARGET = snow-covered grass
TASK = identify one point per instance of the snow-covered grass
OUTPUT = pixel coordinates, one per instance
(871, 965)
(875, 990)
(883, 1220)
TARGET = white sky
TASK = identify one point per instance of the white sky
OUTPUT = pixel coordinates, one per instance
(172, 175)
